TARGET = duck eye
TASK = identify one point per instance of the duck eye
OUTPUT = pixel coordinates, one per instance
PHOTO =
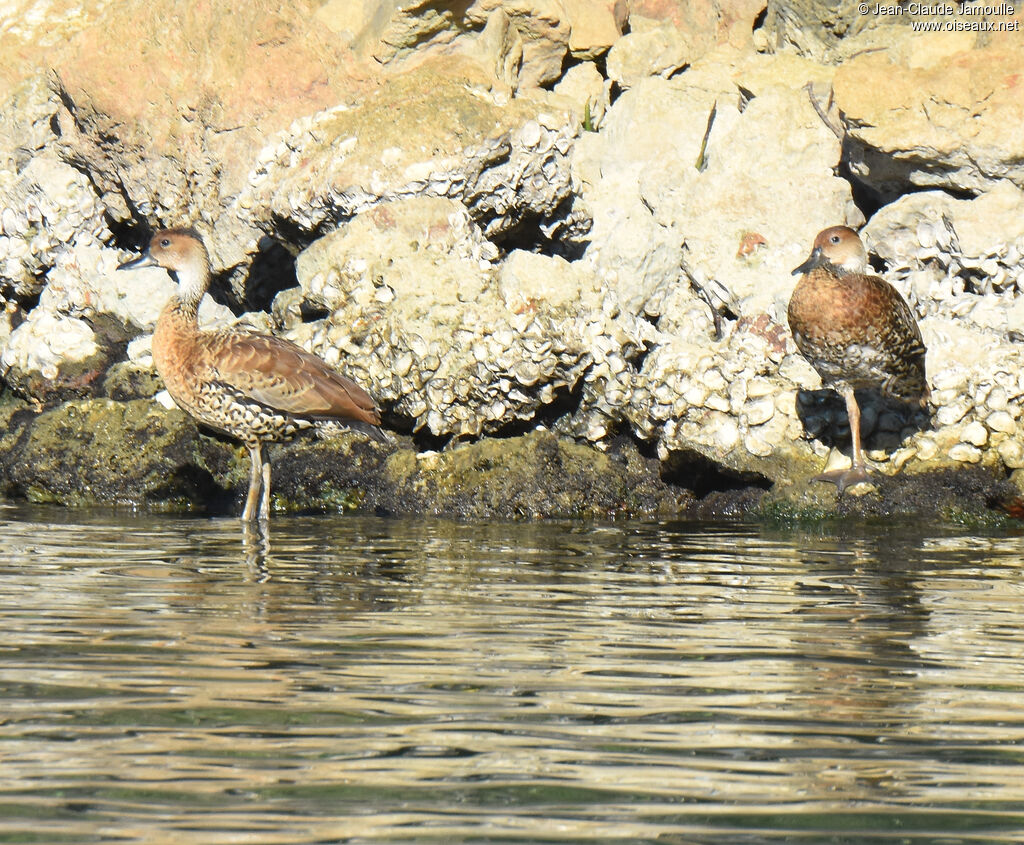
(165, 242)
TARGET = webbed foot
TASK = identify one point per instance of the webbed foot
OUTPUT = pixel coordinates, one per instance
(844, 478)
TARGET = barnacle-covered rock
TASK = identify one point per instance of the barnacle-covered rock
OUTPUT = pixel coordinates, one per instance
(85, 310)
(46, 209)
(502, 160)
(422, 311)
(52, 356)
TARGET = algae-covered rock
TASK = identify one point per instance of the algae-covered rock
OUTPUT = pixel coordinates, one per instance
(536, 475)
(98, 450)
(975, 496)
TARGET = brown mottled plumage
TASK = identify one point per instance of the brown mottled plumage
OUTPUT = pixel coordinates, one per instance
(856, 331)
(254, 387)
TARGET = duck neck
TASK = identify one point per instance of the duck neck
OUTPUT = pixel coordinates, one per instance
(192, 284)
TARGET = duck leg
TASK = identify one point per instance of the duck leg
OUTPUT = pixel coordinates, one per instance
(858, 471)
(265, 498)
(254, 483)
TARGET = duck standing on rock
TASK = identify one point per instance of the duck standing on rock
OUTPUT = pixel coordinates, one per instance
(857, 331)
(254, 387)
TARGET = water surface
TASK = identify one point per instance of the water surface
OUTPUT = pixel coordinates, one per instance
(356, 679)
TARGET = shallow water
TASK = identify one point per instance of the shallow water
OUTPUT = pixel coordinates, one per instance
(357, 679)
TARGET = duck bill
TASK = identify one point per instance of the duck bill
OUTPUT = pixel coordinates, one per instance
(816, 259)
(144, 260)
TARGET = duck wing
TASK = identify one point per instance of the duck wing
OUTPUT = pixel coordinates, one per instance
(282, 376)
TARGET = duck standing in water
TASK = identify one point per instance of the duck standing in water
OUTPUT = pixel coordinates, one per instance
(254, 387)
(857, 331)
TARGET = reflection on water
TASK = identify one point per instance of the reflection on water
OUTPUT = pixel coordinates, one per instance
(361, 679)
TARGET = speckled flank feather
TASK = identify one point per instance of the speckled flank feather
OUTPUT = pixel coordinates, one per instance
(857, 330)
(257, 388)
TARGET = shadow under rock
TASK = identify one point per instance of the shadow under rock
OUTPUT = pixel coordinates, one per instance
(886, 422)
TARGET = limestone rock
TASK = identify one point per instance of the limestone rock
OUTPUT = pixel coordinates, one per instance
(942, 120)
(168, 119)
(498, 48)
(651, 51)
(544, 28)
(584, 84)
(25, 123)
(502, 161)
(818, 28)
(705, 22)
(50, 356)
(395, 28)
(45, 210)
(84, 282)
(595, 25)
(647, 194)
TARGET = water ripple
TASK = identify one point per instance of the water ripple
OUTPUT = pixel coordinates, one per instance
(368, 680)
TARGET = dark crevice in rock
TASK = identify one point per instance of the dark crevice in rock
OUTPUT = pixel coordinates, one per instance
(424, 440)
(295, 238)
(866, 198)
(311, 313)
(760, 19)
(678, 71)
(892, 181)
(128, 234)
(565, 402)
(25, 302)
(636, 360)
(703, 476)
(529, 235)
(272, 270)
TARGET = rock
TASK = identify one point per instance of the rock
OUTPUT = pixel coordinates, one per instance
(486, 255)
(504, 162)
(593, 26)
(705, 22)
(25, 120)
(498, 49)
(98, 451)
(45, 210)
(392, 29)
(544, 29)
(972, 495)
(950, 256)
(527, 477)
(421, 313)
(136, 452)
(49, 356)
(943, 120)
(628, 172)
(816, 28)
(169, 121)
(651, 51)
(584, 84)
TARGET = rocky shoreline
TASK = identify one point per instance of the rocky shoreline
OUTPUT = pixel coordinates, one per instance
(507, 221)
